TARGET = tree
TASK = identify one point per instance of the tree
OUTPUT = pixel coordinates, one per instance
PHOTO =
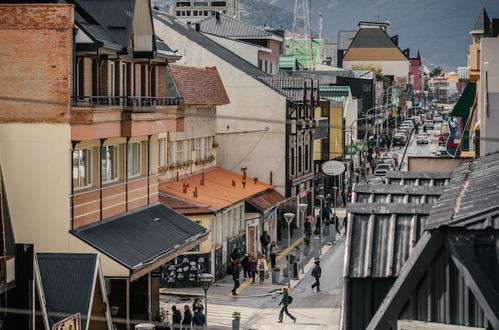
(436, 72)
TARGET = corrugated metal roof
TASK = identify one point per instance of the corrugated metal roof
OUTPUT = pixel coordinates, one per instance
(381, 238)
(226, 26)
(344, 89)
(345, 39)
(471, 198)
(68, 284)
(217, 192)
(365, 193)
(138, 237)
(287, 62)
(292, 87)
(265, 201)
(418, 178)
(372, 38)
(182, 206)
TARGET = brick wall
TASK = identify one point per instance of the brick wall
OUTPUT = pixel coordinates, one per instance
(35, 62)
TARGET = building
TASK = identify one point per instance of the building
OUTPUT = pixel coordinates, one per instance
(270, 135)
(372, 46)
(449, 280)
(194, 10)
(439, 88)
(417, 74)
(258, 46)
(87, 106)
(232, 206)
(345, 39)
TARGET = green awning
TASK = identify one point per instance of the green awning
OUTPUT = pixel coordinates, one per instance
(463, 106)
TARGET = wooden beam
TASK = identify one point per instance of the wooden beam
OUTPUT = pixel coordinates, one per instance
(411, 274)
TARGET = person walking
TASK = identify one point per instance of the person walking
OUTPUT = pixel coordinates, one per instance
(345, 219)
(274, 250)
(244, 264)
(199, 319)
(234, 258)
(308, 225)
(316, 273)
(176, 318)
(197, 304)
(262, 268)
(235, 278)
(265, 241)
(285, 301)
(187, 320)
(252, 268)
(336, 223)
(388, 142)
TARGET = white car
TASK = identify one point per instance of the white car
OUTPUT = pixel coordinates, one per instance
(375, 180)
(438, 119)
(422, 138)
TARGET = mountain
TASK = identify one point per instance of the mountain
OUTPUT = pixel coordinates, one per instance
(439, 29)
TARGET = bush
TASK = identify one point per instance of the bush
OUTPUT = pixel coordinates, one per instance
(276, 269)
(307, 241)
(297, 248)
(236, 316)
(317, 231)
(292, 258)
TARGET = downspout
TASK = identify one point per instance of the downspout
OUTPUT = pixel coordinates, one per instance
(148, 168)
(75, 70)
(126, 173)
(287, 189)
(73, 147)
(100, 175)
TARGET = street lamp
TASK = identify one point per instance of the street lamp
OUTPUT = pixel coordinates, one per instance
(302, 207)
(321, 199)
(289, 217)
(206, 279)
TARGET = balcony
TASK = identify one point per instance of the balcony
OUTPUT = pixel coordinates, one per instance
(127, 103)
(463, 73)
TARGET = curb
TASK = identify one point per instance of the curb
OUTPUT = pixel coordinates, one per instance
(190, 294)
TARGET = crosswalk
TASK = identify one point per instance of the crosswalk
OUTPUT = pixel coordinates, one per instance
(220, 316)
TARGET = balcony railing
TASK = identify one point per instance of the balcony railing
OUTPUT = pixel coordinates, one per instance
(132, 103)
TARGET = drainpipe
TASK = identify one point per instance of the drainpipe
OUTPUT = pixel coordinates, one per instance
(100, 175)
(148, 167)
(75, 69)
(73, 147)
(126, 173)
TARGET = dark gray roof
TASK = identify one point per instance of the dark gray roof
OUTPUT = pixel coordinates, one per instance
(372, 38)
(97, 33)
(482, 24)
(138, 237)
(471, 198)
(164, 50)
(345, 39)
(229, 27)
(365, 193)
(68, 282)
(418, 178)
(381, 238)
(292, 87)
(210, 45)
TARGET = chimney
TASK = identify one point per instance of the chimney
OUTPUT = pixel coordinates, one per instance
(198, 27)
(217, 15)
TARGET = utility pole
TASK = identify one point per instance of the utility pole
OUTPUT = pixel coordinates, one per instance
(302, 36)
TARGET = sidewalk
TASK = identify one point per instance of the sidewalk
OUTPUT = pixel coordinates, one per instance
(223, 287)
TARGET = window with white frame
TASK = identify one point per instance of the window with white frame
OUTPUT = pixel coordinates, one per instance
(109, 163)
(169, 151)
(133, 159)
(82, 163)
(208, 144)
(179, 157)
(161, 151)
(197, 146)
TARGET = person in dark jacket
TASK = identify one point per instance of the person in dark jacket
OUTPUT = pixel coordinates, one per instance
(234, 258)
(187, 320)
(244, 264)
(176, 318)
(199, 319)
(265, 241)
(235, 278)
(252, 268)
(285, 301)
(316, 273)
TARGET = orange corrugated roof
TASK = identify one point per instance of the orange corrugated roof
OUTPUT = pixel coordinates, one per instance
(217, 192)
(452, 77)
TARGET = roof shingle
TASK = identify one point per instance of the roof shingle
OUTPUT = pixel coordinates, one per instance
(226, 26)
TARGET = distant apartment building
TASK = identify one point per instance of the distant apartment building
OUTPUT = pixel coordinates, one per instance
(195, 10)
(439, 88)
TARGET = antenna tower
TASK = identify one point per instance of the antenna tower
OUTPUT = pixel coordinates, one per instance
(321, 23)
(302, 37)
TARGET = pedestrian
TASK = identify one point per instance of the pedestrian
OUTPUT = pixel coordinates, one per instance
(197, 304)
(316, 273)
(336, 224)
(265, 241)
(349, 194)
(187, 320)
(388, 142)
(252, 268)
(285, 301)
(308, 226)
(234, 258)
(235, 278)
(344, 197)
(262, 268)
(244, 264)
(199, 319)
(176, 318)
(345, 219)
(274, 250)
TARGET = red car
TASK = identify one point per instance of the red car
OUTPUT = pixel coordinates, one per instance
(442, 139)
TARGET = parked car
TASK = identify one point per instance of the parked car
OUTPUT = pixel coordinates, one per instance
(422, 138)
(438, 119)
(375, 180)
(399, 139)
(429, 124)
(442, 139)
(441, 152)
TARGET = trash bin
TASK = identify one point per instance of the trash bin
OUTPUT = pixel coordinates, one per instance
(144, 326)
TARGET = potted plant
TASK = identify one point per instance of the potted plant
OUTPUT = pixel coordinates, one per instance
(275, 275)
(285, 272)
(236, 320)
(325, 230)
(306, 250)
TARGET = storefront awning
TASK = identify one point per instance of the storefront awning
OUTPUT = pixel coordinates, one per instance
(266, 200)
(463, 106)
(145, 239)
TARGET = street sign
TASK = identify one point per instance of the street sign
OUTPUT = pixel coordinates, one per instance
(333, 167)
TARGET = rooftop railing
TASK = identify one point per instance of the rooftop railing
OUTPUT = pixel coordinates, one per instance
(133, 103)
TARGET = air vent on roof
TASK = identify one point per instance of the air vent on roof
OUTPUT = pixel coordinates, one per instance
(217, 15)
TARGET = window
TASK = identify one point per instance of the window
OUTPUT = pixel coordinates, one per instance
(161, 151)
(270, 71)
(133, 159)
(82, 163)
(299, 160)
(197, 146)
(208, 144)
(205, 13)
(169, 150)
(180, 151)
(195, 13)
(113, 79)
(292, 165)
(109, 163)
(266, 67)
(260, 64)
(306, 159)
